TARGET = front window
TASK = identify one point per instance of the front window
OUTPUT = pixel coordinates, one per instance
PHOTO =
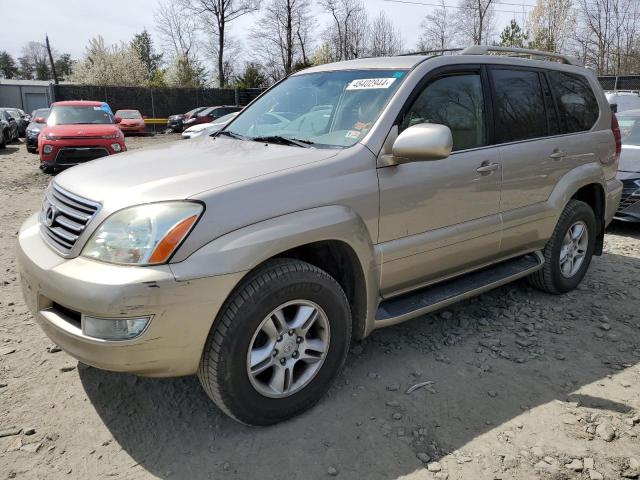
(78, 115)
(325, 110)
(42, 113)
(629, 129)
(128, 114)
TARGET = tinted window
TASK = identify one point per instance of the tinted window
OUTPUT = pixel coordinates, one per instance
(576, 102)
(456, 102)
(520, 112)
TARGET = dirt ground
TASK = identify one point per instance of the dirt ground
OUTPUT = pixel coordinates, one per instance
(524, 385)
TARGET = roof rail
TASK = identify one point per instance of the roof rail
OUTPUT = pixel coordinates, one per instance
(485, 49)
(428, 52)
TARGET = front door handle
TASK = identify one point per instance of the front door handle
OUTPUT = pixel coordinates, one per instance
(558, 154)
(487, 167)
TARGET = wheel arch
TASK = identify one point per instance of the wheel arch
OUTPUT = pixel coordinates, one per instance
(593, 194)
(333, 238)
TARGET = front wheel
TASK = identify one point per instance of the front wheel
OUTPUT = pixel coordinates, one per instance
(278, 343)
(569, 250)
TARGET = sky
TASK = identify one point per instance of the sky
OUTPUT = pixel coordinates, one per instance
(71, 23)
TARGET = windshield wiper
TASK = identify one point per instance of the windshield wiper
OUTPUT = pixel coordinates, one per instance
(228, 133)
(284, 141)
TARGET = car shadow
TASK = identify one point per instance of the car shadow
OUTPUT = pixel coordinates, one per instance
(625, 229)
(9, 149)
(491, 359)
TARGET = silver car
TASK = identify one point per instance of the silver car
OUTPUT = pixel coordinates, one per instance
(348, 197)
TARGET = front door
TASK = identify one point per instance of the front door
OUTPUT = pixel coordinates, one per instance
(440, 218)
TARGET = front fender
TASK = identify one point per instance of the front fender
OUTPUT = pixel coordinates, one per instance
(244, 249)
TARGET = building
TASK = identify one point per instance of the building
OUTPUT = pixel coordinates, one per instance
(27, 95)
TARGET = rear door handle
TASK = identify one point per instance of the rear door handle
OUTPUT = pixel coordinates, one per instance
(558, 154)
(487, 167)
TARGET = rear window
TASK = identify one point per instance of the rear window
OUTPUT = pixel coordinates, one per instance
(577, 104)
(520, 105)
(629, 129)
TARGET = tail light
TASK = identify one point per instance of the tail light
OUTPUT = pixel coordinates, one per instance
(615, 128)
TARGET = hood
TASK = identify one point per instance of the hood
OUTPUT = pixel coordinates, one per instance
(84, 130)
(629, 159)
(181, 170)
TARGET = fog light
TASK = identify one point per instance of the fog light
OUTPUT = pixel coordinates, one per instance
(116, 147)
(47, 149)
(113, 328)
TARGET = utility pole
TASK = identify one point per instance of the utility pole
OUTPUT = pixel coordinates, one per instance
(53, 66)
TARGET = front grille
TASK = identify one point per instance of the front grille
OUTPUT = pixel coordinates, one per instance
(64, 217)
(73, 156)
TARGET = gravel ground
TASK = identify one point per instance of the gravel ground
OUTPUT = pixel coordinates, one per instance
(521, 385)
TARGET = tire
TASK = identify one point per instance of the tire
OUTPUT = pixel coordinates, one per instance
(49, 170)
(224, 366)
(3, 140)
(551, 278)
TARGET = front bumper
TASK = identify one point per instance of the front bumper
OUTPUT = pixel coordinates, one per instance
(133, 128)
(58, 290)
(629, 209)
(32, 142)
(175, 125)
(66, 153)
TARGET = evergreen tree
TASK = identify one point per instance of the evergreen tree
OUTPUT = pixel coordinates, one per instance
(8, 66)
(513, 36)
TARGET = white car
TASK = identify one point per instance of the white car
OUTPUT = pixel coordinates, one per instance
(623, 100)
(208, 128)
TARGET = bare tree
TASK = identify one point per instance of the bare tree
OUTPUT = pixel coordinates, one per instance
(348, 31)
(281, 36)
(475, 20)
(219, 13)
(438, 31)
(550, 24)
(177, 29)
(609, 28)
(386, 39)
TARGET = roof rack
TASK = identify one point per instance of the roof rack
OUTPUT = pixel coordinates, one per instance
(485, 49)
(442, 51)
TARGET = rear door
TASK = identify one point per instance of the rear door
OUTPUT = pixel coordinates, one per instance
(541, 121)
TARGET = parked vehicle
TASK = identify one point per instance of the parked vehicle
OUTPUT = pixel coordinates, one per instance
(131, 121)
(629, 166)
(209, 115)
(623, 100)
(398, 186)
(9, 127)
(76, 132)
(22, 120)
(208, 128)
(175, 123)
(38, 121)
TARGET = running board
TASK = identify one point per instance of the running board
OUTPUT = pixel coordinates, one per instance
(427, 299)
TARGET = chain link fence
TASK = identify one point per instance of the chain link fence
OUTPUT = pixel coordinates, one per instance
(620, 82)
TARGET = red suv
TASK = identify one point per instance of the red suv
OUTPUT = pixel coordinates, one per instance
(76, 132)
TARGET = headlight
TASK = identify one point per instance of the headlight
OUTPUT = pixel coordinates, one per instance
(33, 131)
(47, 149)
(116, 147)
(143, 235)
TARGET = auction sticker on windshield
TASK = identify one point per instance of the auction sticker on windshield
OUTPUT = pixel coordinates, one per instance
(370, 83)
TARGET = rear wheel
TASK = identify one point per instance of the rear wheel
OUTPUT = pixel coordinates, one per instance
(277, 344)
(569, 251)
(3, 139)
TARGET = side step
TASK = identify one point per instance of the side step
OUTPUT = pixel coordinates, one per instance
(427, 299)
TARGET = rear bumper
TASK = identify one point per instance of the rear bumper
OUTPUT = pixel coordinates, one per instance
(182, 312)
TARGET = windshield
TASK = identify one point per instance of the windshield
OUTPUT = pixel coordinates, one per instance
(78, 115)
(325, 109)
(128, 114)
(629, 129)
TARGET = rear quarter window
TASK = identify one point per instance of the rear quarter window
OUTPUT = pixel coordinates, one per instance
(577, 104)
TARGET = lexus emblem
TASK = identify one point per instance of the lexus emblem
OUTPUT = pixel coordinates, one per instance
(50, 215)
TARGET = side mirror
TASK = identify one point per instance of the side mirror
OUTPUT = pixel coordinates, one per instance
(424, 141)
(118, 118)
(40, 120)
